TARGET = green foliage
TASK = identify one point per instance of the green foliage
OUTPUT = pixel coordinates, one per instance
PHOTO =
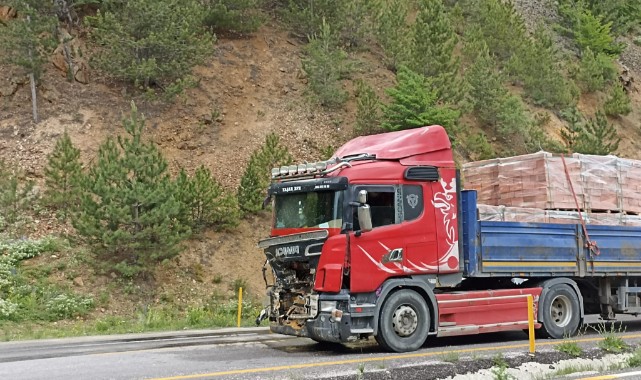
(587, 29)
(63, 176)
(306, 17)
(256, 177)
(28, 40)
(499, 25)
(357, 24)
(499, 370)
(536, 66)
(129, 209)
(204, 203)
(238, 284)
(325, 65)
(618, 102)
(478, 147)
(432, 46)
(368, 107)
(12, 252)
(414, 104)
(148, 42)
(595, 71)
(16, 198)
(624, 15)
(237, 16)
(611, 341)
(635, 359)
(492, 102)
(593, 136)
(569, 347)
(68, 305)
(392, 30)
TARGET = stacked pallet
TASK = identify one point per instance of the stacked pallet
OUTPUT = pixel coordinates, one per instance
(533, 215)
(540, 181)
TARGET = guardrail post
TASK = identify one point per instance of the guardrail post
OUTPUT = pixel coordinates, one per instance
(240, 304)
(530, 322)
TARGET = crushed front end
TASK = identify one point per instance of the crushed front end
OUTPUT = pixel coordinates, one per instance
(308, 219)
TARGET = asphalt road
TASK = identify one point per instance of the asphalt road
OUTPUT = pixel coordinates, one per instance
(248, 353)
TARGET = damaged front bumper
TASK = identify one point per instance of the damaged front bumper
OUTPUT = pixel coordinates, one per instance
(324, 327)
(330, 322)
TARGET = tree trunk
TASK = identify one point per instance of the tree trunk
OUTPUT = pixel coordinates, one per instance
(32, 80)
(34, 100)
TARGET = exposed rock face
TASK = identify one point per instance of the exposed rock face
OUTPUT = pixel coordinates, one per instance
(536, 12)
(60, 57)
(6, 13)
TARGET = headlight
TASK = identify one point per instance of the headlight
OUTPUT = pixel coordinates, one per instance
(327, 306)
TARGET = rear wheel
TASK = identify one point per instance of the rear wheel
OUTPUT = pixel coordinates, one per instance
(404, 322)
(560, 312)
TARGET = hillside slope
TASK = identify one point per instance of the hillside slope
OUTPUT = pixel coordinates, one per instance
(248, 88)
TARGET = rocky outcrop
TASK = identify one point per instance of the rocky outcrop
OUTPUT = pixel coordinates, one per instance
(69, 49)
(6, 13)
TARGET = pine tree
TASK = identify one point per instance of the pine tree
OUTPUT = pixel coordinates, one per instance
(367, 110)
(591, 136)
(392, 30)
(15, 199)
(129, 211)
(432, 46)
(600, 137)
(63, 177)
(27, 41)
(536, 66)
(595, 71)
(500, 25)
(414, 104)
(618, 102)
(237, 16)
(306, 17)
(151, 41)
(256, 177)
(204, 203)
(325, 65)
(587, 29)
(487, 91)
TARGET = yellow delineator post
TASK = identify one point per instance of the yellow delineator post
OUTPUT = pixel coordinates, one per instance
(240, 304)
(530, 321)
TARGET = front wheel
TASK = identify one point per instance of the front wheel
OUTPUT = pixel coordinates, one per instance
(404, 322)
(559, 312)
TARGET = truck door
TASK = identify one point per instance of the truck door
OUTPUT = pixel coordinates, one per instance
(398, 242)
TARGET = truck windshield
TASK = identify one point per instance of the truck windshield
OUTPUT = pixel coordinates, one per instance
(312, 209)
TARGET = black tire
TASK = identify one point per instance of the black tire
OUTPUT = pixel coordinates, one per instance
(560, 313)
(404, 322)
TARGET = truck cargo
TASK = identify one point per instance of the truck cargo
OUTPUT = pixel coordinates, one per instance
(382, 241)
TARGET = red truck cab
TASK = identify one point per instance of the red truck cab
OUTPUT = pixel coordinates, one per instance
(361, 244)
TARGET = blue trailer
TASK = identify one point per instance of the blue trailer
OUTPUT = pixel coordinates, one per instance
(601, 265)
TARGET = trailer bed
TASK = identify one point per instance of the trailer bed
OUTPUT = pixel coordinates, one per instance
(515, 249)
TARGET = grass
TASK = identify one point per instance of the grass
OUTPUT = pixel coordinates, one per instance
(499, 371)
(451, 357)
(570, 369)
(569, 347)
(149, 319)
(611, 342)
(635, 359)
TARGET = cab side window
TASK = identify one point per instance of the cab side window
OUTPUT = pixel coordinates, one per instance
(385, 205)
(381, 204)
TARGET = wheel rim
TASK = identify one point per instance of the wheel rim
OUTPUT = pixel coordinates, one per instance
(561, 311)
(405, 321)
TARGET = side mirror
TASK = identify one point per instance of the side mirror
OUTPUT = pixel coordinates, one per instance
(364, 217)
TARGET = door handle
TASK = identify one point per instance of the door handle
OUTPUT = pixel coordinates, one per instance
(395, 255)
